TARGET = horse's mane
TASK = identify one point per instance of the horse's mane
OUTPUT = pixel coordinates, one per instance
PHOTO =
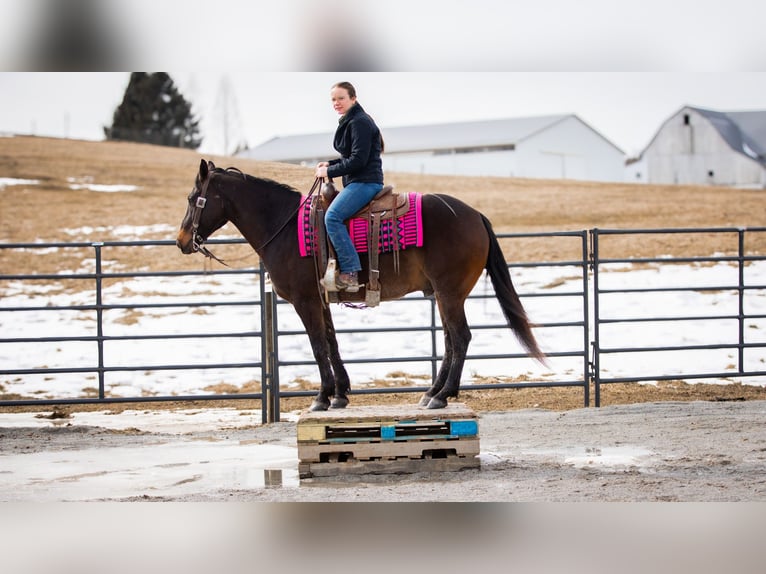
(261, 180)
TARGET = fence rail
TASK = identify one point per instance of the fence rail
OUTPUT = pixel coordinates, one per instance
(579, 325)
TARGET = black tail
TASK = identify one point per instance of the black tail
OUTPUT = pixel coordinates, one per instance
(507, 296)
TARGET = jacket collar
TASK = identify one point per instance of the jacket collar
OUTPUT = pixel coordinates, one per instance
(353, 111)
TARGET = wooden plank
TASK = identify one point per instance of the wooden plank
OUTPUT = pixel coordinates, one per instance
(398, 466)
(386, 414)
(311, 433)
(387, 449)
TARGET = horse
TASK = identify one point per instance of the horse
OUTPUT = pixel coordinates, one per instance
(458, 244)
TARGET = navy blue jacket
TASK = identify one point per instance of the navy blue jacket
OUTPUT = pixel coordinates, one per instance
(358, 141)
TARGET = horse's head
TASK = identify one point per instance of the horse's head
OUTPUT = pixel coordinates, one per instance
(204, 213)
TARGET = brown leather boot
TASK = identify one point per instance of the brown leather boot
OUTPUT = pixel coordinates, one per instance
(348, 282)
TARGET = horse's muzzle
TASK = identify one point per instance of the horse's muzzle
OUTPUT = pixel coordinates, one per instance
(185, 242)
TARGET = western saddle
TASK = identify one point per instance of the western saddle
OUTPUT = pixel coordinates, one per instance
(385, 206)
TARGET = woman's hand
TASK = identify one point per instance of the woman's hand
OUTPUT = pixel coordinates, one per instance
(321, 170)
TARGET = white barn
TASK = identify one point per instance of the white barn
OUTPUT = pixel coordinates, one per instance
(697, 146)
(550, 147)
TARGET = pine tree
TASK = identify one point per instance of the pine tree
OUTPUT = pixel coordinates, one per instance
(154, 111)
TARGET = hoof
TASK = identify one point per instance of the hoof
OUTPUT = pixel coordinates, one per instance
(339, 403)
(436, 403)
(319, 405)
(424, 401)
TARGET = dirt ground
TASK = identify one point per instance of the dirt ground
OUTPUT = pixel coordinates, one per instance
(669, 451)
(648, 452)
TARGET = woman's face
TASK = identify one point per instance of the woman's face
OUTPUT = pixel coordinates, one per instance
(341, 102)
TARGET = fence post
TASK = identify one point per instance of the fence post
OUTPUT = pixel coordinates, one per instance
(270, 383)
(741, 295)
(595, 367)
(586, 377)
(99, 321)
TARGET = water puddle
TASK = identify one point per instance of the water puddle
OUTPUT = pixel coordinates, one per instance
(167, 469)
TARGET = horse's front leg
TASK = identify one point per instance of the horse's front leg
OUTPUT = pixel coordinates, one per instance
(342, 382)
(316, 328)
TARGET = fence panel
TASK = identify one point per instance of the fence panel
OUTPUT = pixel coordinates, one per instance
(101, 333)
(692, 318)
(397, 347)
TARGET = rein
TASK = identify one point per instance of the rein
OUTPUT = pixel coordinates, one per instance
(314, 187)
(198, 243)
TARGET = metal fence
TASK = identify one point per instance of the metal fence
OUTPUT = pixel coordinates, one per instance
(580, 327)
(721, 300)
(574, 320)
(96, 304)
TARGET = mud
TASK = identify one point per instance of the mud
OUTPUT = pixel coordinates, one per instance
(669, 451)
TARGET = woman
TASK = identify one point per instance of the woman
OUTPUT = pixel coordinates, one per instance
(359, 143)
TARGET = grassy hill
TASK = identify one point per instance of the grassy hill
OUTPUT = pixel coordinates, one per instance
(52, 211)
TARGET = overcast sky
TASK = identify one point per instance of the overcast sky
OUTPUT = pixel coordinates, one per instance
(626, 108)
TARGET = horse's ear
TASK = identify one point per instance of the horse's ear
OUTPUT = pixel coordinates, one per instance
(203, 170)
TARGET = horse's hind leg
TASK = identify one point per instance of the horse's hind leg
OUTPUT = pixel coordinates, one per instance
(342, 382)
(444, 369)
(457, 337)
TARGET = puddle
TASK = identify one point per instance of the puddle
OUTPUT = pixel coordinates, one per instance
(596, 457)
(170, 469)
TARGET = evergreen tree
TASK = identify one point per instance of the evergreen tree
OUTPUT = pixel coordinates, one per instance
(153, 111)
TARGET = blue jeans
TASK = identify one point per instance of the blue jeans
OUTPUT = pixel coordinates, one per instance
(351, 199)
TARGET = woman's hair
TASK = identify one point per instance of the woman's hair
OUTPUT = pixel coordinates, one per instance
(349, 87)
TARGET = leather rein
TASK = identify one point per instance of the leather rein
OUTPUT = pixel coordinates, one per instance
(198, 242)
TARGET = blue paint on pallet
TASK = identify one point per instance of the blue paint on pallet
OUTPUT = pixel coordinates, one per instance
(464, 428)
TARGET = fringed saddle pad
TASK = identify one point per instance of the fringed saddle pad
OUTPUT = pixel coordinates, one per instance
(410, 229)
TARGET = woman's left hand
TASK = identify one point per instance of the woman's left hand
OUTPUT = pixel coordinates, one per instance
(321, 171)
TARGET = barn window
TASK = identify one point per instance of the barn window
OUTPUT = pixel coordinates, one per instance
(686, 119)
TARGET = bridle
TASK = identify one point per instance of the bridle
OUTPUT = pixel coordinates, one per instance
(199, 205)
(198, 242)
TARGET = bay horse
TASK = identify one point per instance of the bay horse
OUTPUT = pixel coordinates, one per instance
(458, 244)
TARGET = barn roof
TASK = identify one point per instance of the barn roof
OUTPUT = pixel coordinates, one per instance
(743, 131)
(460, 135)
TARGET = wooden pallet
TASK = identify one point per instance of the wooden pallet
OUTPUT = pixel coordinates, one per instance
(387, 439)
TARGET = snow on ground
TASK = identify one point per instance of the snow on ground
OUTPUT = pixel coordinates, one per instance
(74, 183)
(87, 183)
(8, 181)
